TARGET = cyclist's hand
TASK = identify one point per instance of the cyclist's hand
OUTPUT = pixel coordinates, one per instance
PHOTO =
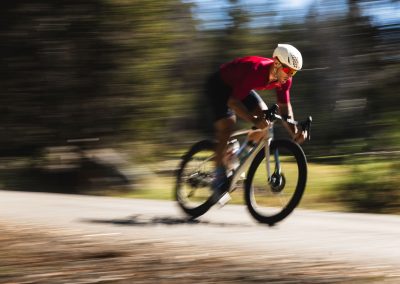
(301, 136)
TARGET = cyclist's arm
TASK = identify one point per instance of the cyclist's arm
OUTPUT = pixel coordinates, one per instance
(298, 136)
(240, 109)
(286, 109)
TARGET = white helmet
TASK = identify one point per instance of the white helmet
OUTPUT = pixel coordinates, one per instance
(289, 55)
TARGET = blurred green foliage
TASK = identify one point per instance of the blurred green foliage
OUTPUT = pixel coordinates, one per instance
(372, 186)
(78, 69)
(133, 71)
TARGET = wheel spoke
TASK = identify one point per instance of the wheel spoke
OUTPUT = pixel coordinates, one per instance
(194, 179)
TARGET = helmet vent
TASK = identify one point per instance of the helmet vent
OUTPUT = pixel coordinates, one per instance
(295, 61)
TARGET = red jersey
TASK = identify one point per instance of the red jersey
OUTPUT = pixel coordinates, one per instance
(252, 73)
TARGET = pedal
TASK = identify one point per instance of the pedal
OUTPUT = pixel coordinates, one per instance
(224, 199)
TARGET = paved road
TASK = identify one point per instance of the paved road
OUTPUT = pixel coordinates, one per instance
(365, 239)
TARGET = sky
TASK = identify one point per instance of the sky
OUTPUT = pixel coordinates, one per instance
(213, 13)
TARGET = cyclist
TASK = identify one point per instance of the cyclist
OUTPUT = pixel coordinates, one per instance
(230, 93)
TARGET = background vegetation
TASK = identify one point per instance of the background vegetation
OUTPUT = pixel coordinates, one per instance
(129, 75)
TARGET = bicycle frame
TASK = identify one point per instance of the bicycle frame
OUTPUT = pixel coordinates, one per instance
(244, 165)
(271, 115)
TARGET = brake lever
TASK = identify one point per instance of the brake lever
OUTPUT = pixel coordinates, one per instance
(309, 120)
(306, 126)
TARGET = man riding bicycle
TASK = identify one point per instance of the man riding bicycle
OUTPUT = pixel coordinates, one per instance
(230, 93)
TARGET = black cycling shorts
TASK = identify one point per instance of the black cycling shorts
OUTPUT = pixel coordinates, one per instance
(218, 94)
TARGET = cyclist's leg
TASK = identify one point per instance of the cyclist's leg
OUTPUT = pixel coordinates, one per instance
(256, 106)
(255, 103)
(223, 130)
(218, 94)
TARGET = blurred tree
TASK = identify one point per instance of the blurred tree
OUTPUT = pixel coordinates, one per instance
(52, 74)
(134, 70)
(154, 64)
(92, 68)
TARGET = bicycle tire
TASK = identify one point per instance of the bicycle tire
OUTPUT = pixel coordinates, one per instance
(250, 189)
(207, 147)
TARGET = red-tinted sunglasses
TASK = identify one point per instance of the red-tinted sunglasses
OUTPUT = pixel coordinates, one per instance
(288, 70)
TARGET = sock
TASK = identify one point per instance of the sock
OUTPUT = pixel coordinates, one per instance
(220, 172)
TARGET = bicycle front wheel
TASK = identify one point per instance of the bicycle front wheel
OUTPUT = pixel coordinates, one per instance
(194, 179)
(271, 199)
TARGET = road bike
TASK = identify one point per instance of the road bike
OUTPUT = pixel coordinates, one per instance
(274, 174)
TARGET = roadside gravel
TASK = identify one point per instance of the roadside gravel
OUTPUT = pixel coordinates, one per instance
(39, 255)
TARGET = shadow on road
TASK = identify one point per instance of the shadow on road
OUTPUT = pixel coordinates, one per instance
(140, 220)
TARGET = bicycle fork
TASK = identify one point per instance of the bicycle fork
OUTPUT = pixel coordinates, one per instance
(277, 171)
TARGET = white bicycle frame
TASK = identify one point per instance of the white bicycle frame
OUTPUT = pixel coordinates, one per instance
(245, 165)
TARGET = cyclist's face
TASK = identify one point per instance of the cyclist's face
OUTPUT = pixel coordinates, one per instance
(284, 72)
(282, 75)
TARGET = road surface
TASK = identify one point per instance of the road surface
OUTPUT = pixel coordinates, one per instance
(364, 242)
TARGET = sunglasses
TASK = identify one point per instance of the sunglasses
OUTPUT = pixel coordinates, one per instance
(288, 70)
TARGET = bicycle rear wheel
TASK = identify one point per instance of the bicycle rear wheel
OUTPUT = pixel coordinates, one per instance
(270, 201)
(194, 178)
